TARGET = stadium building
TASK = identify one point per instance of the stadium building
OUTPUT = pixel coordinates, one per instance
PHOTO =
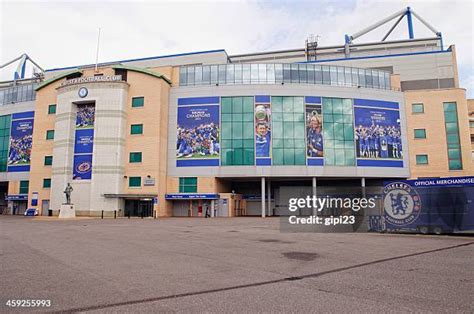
(175, 135)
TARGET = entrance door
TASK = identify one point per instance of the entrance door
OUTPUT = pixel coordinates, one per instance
(139, 208)
(45, 207)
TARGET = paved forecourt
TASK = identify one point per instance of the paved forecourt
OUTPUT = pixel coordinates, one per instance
(224, 265)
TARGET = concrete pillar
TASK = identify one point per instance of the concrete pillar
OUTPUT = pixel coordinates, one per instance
(269, 197)
(212, 208)
(263, 197)
(315, 211)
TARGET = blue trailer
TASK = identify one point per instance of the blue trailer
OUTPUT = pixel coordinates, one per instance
(438, 205)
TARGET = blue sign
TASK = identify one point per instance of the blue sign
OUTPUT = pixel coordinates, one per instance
(17, 197)
(198, 135)
(84, 141)
(191, 196)
(82, 167)
(378, 134)
(21, 139)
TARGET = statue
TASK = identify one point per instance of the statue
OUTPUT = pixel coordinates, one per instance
(68, 191)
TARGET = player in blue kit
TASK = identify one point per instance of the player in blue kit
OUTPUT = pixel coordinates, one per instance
(315, 137)
(262, 140)
(383, 145)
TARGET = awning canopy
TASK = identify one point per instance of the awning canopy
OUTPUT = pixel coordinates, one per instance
(130, 196)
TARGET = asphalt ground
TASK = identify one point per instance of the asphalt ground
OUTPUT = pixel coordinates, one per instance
(228, 265)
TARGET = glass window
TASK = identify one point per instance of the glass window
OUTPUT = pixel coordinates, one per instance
(214, 74)
(417, 108)
(48, 160)
(246, 73)
(46, 183)
(198, 75)
(238, 73)
(294, 73)
(52, 109)
(190, 76)
(24, 186)
(237, 143)
(206, 75)
(230, 79)
(421, 159)
(270, 73)
(340, 76)
(136, 129)
(222, 73)
(254, 73)
(135, 157)
(452, 136)
(333, 72)
(262, 73)
(310, 69)
(286, 73)
(50, 134)
(326, 75)
(278, 73)
(318, 74)
(188, 185)
(134, 182)
(138, 102)
(420, 133)
(183, 76)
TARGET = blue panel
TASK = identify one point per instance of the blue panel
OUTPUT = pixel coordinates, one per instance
(376, 103)
(264, 162)
(82, 167)
(84, 141)
(451, 181)
(23, 115)
(197, 162)
(315, 161)
(187, 196)
(198, 101)
(312, 99)
(17, 197)
(262, 99)
(379, 163)
(24, 168)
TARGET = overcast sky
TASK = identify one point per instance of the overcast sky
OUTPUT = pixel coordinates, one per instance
(64, 33)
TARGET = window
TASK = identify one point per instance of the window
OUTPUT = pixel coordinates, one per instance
(50, 135)
(24, 186)
(46, 183)
(420, 133)
(135, 157)
(471, 124)
(138, 102)
(48, 160)
(5, 122)
(288, 131)
(134, 182)
(187, 185)
(421, 159)
(136, 129)
(52, 109)
(452, 136)
(338, 132)
(237, 143)
(417, 108)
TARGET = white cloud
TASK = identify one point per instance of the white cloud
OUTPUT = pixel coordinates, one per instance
(62, 33)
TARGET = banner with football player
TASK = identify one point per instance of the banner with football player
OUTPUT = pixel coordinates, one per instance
(314, 131)
(378, 133)
(262, 130)
(21, 138)
(198, 132)
(84, 142)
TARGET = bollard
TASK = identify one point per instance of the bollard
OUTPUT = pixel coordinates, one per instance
(115, 214)
(102, 215)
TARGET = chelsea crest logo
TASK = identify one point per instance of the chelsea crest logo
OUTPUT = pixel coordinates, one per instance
(402, 204)
(83, 167)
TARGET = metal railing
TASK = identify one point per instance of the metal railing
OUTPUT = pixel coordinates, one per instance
(278, 73)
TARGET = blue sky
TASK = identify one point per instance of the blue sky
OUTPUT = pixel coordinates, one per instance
(64, 33)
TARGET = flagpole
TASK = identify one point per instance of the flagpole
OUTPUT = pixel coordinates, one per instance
(97, 53)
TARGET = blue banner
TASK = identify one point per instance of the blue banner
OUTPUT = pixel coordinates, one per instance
(263, 130)
(82, 167)
(21, 138)
(198, 132)
(378, 133)
(84, 141)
